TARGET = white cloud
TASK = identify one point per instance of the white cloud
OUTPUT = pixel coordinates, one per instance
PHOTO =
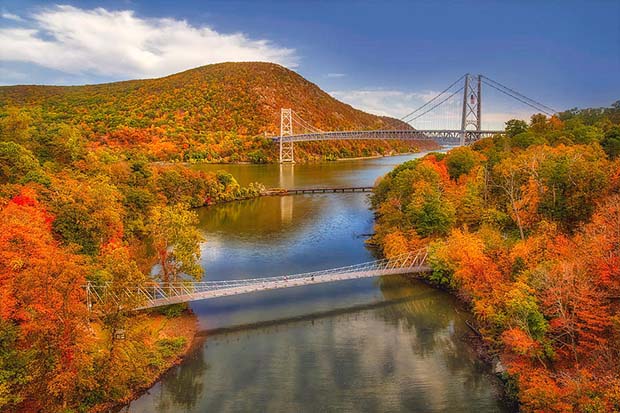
(11, 16)
(336, 75)
(397, 103)
(120, 44)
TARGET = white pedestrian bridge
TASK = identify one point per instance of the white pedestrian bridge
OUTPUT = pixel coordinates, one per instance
(161, 294)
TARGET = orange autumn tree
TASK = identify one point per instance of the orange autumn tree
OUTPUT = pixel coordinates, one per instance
(43, 302)
(601, 240)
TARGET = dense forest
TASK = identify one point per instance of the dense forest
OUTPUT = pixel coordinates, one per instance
(71, 212)
(525, 228)
(216, 113)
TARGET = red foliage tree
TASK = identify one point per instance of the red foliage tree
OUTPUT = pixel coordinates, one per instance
(41, 285)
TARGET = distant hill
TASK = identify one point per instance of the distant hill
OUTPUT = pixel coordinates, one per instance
(199, 109)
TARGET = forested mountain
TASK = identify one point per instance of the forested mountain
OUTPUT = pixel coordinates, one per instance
(219, 112)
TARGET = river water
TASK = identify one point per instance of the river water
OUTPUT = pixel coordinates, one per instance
(372, 345)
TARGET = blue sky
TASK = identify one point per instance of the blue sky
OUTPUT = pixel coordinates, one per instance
(384, 57)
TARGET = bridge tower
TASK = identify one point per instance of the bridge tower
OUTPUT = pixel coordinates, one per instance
(286, 129)
(472, 108)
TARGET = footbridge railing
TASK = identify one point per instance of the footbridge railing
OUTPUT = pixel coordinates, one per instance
(159, 294)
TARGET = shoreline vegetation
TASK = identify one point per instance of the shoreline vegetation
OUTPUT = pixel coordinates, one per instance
(522, 228)
(177, 333)
(420, 146)
(107, 220)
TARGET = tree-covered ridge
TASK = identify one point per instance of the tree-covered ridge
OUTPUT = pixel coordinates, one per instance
(524, 228)
(219, 112)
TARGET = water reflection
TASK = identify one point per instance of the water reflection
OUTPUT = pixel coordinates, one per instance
(183, 387)
(286, 210)
(287, 176)
(359, 172)
(402, 354)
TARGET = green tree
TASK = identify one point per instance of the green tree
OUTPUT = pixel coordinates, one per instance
(571, 181)
(522, 310)
(515, 127)
(581, 133)
(460, 161)
(176, 240)
(88, 212)
(471, 206)
(69, 144)
(15, 127)
(18, 165)
(538, 123)
(429, 213)
(527, 139)
(611, 142)
(13, 363)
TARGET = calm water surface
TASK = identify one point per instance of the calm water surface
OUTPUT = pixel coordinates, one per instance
(371, 345)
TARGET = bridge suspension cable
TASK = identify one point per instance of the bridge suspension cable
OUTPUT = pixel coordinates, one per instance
(518, 96)
(435, 106)
(404, 118)
(305, 126)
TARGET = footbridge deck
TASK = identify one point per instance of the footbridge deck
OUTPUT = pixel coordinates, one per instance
(155, 295)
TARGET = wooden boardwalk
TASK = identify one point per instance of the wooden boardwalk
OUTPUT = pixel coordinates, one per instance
(299, 191)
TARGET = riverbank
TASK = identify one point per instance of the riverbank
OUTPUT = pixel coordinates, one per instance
(170, 336)
(516, 263)
(428, 146)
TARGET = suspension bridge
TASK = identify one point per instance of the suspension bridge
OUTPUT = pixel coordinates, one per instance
(464, 96)
(159, 294)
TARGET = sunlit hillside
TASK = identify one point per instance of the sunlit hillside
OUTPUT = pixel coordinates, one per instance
(219, 112)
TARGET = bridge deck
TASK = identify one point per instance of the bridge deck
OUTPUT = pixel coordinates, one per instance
(159, 294)
(441, 136)
(279, 284)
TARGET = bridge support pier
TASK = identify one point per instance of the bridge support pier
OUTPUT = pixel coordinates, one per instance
(286, 151)
(286, 129)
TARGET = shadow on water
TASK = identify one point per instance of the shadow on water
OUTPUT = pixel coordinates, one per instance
(311, 317)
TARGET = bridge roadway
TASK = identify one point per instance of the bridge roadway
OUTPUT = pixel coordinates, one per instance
(441, 136)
